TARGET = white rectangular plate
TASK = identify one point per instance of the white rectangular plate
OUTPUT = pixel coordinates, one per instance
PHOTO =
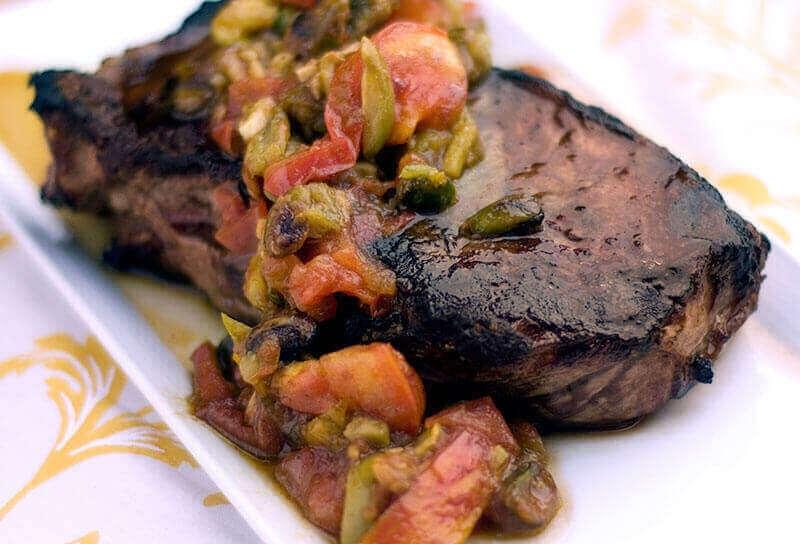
(720, 464)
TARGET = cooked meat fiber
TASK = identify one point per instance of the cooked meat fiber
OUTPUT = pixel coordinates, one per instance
(635, 280)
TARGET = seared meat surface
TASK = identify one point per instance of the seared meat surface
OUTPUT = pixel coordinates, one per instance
(154, 183)
(635, 279)
(638, 275)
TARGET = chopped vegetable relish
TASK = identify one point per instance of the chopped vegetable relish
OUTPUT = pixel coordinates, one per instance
(344, 112)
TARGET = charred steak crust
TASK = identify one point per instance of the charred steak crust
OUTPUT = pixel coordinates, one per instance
(139, 62)
(638, 275)
(639, 268)
(153, 182)
(91, 107)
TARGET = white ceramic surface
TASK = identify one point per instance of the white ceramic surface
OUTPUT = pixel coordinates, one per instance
(718, 465)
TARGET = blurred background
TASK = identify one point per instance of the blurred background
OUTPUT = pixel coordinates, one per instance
(716, 81)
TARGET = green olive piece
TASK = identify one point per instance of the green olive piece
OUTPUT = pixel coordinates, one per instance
(531, 496)
(507, 214)
(374, 431)
(428, 440)
(363, 501)
(239, 18)
(237, 330)
(268, 145)
(305, 212)
(284, 19)
(377, 99)
(425, 189)
(475, 48)
(326, 430)
(465, 138)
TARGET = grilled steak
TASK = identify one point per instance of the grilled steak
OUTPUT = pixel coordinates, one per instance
(638, 275)
(636, 278)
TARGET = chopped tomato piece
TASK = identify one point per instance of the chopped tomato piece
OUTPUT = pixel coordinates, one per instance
(374, 379)
(315, 478)
(343, 116)
(312, 286)
(430, 81)
(341, 268)
(471, 11)
(431, 12)
(223, 132)
(237, 230)
(259, 436)
(435, 12)
(325, 158)
(480, 417)
(446, 501)
(209, 383)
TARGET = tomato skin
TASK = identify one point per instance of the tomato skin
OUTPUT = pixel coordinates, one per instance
(374, 379)
(339, 267)
(480, 417)
(209, 383)
(325, 158)
(434, 12)
(445, 502)
(430, 12)
(223, 132)
(314, 478)
(250, 90)
(237, 229)
(430, 81)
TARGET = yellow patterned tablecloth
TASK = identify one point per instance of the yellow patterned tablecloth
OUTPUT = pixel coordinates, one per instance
(82, 456)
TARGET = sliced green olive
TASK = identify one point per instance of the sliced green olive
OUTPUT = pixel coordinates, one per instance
(239, 18)
(499, 459)
(326, 430)
(465, 138)
(430, 141)
(374, 431)
(425, 189)
(284, 19)
(327, 66)
(256, 290)
(377, 99)
(237, 330)
(256, 118)
(363, 501)
(306, 211)
(475, 48)
(507, 214)
(532, 496)
(429, 440)
(268, 145)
